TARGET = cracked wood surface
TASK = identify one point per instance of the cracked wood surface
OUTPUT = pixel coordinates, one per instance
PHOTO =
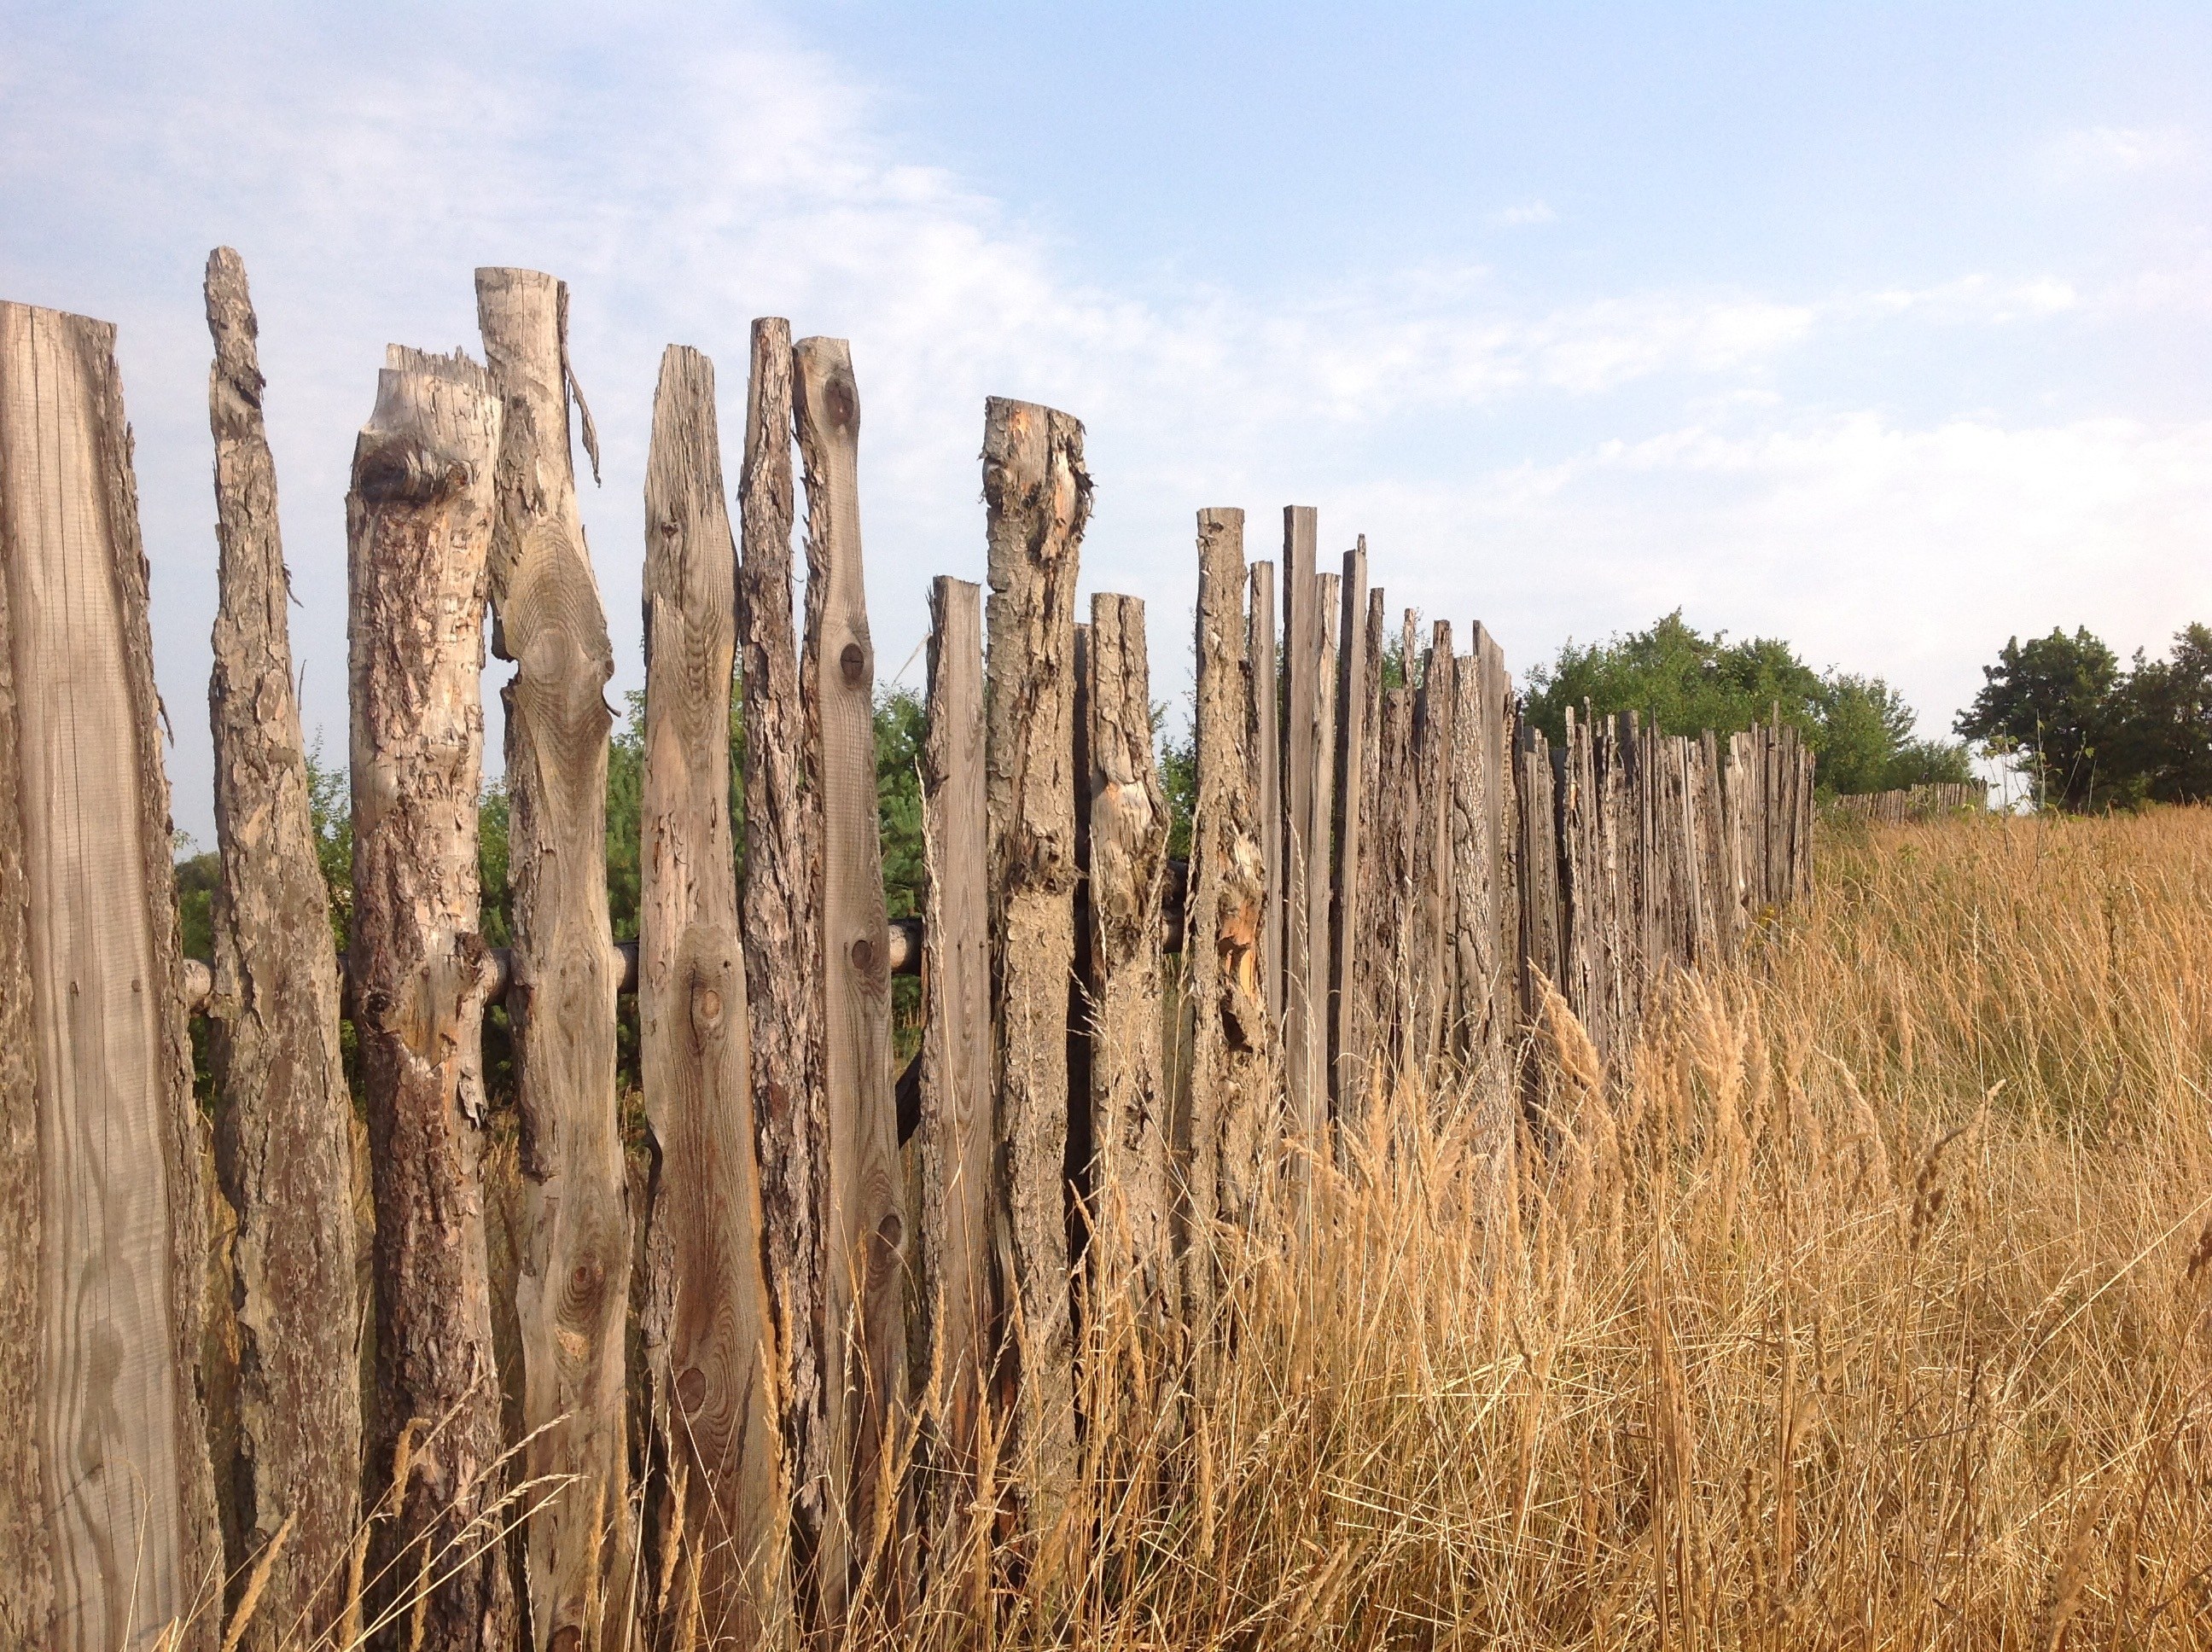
(114, 1254)
(418, 531)
(283, 1147)
(1355, 715)
(707, 1336)
(1304, 856)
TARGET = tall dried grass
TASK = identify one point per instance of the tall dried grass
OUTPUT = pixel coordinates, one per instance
(1865, 1305)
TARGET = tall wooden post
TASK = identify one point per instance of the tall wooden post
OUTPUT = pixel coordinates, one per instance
(1128, 881)
(573, 1290)
(708, 1340)
(864, 1257)
(953, 1139)
(1304, 985)
(1355, 713)
(1038, 495)
(1264, 698)
(107, 1519)
(1310, 1116)
(283, 1147)
(1433, 961)
(781, 921)
(418, 530)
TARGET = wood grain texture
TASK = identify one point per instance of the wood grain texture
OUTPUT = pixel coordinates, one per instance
(781, 906)
(125, 1490)
(1038, 497)
(954, 1294)
(1264, 697)
(1308, 1103)
(709, 1342)
(1369, 967)
(283, 1140)
(864, 1256)
(1392, 846)
(1130, 1127)
(1355, 715)
(574, 1257)
(1233, 1038)
(1304, 856)
(418, 533)
(1433, 985)
(1537, 771)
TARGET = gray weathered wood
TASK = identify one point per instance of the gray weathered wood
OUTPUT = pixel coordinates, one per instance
(1369, 962)
(1355, 714)
(418, 531)
(1232, 1037)
(1308, 1119)
(1305, 955)
(115, 1256)
(1128, 881)
(953, 1297)
(1538, 832)
(781, 906)
(573, 1287)
(1038, 496)
(864, 1257)
(1264, 696)
(708, 1340)
(1433, 986)
(1396, 821)
(283, 1147)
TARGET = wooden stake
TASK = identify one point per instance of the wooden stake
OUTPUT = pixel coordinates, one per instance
(709, 1339)
(419, 529)
(1264, 694)
(98, 1389)
(283, 1144)
(1305, 956)
(1355, 714)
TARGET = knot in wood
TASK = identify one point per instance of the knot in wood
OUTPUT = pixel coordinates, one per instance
(864, 955)
(852, 662)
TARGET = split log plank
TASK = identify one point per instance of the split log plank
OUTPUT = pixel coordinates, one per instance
(284, 1142)
(1305, 955)
(418, 532)
(1038, 498)
(1264, 696)
(572, 1285)
(1355, 713)
(708, 1340)
(122, 1498)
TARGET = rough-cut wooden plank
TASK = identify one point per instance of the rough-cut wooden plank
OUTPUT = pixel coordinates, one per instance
(1369, 967)
(709, 1341)
(418, 530)
(1538, 832)
(1432, 960)
(1355, 714)
(283, 1145)
(1389, 950)
(1305, 955)
(783, 959)
(572, 1286)
(1128, 881)
(1038, 497)
(1309, 1116)
(1263, 667)
(953, 1139)
(1488, 990)
(117, 1253)
(1232, 1037)
(864, 1256)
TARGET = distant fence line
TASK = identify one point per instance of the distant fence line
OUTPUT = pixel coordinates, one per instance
(1916, 802)
(1390, 873)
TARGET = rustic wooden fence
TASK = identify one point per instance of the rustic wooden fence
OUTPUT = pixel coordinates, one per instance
(1918, 802)
(848, 1342)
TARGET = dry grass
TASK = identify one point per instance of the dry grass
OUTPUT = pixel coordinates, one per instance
(1866, 1306)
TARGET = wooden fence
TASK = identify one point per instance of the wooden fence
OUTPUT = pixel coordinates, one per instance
(1918, 802)
(1391, 875)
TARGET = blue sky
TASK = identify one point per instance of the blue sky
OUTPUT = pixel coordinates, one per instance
(1887, 330)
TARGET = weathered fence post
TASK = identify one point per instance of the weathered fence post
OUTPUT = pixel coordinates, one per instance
(953, 1139)
(1540, 834)
(108, 1515)
(780, 923)
(1305, 860)
(419, 527)
(1434, 910)
(708, 1340)
(283, 1147)
(1368, 966)
(1232, 1037)
(1355, 716)
(1264, 699)
(864, 1256)
(573, 1287)
(1039, 500)
(1128, 880)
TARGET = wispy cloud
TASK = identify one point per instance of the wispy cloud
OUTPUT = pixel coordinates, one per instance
(1527, 212)
(2089, 150)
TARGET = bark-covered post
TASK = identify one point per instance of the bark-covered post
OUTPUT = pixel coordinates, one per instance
(783, 950)
(1355, 713)
(573, 1289)
(283, 1148)
(708, 1340)
(864, 1333)
(1038, 496)
(108, 1515)
(1128, 881)
(418, 531)
(952, 1139)
(1232, 1039)
(1264, 697)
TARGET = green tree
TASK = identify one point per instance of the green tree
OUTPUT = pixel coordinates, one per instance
(2051, 698)
(2158, 727)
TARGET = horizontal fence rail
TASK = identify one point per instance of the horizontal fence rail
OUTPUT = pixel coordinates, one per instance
(851, 1351)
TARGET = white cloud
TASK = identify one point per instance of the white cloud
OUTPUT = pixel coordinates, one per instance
(1527, 212)
(2090, 150)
